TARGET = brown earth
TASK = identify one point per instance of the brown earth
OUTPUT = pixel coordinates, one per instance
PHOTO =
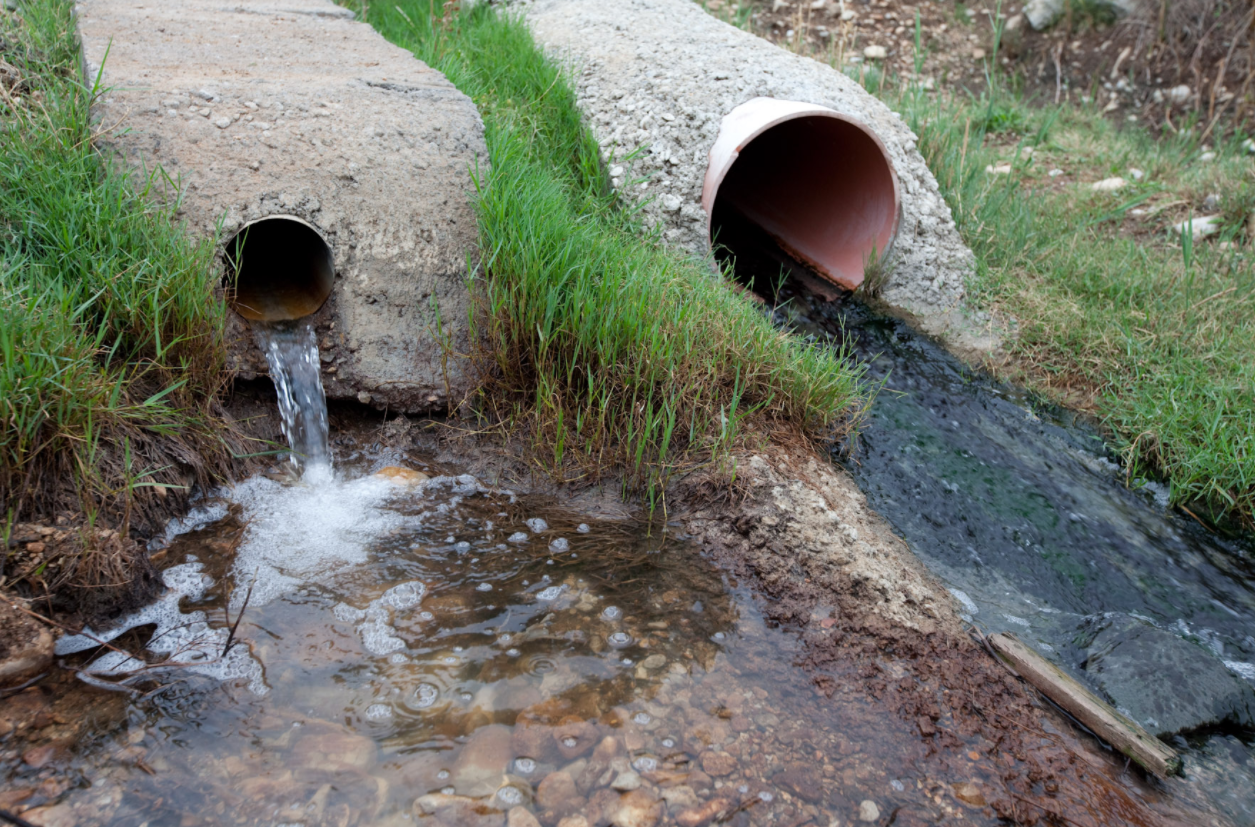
(1126, 66)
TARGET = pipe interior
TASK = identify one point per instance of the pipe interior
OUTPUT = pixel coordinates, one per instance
(818, 187)
(278, 269)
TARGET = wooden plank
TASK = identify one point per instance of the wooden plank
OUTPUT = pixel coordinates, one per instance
(1121, 732)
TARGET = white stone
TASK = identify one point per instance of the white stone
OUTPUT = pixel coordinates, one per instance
(868, 811)
(1207, 156)
(875, 53)
(1109, 185)
(1179, 94)
(1136, 174)
(1199, 226)
(998, 169)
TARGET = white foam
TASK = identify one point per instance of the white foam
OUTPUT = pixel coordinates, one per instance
(186, 641)
(375, 621)
(967, 602)
(1246, 670)
(305, 533)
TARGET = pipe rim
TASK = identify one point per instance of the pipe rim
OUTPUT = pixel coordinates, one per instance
(274, 314)
(748, 121)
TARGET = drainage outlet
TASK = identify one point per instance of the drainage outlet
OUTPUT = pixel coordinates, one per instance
(817, 183)
(278, 269)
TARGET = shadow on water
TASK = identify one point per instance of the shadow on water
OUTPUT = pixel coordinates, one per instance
(1024, 514)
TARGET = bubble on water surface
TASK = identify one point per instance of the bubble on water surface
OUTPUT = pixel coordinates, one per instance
(570, 741)
(442, 775)
(641, 718)
(559, 544)
(537, 525)
(766, 797)
(611, 613)
(398, 658)
(448, 790)
(583, 528)
(466, 697)
(424, 696)
(897, 785)
(511, 796)
(513, 653)
(645, 763)
(347, 614)
(404, 595)
(484, 587)
(619, 639)
(518, 537)
(668, 742)
(462, 547)
(719, 637)
(505, 638)
(450, 659)
(457, 648)
(743, 789)
(377, 712)
(425, 615)
(524, 766)
(550, 593)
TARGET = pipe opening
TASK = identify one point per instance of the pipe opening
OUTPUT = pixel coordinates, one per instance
(816, 189)
(278, 269)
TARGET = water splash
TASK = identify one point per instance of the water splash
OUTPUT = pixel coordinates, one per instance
(291, 350)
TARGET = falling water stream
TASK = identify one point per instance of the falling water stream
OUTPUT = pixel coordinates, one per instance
(291, 350)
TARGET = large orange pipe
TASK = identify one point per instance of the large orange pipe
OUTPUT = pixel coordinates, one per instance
(819, 182)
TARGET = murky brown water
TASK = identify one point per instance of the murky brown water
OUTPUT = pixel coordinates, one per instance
(425, 655)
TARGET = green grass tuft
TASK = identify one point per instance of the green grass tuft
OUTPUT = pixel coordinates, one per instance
(608, 352)
(1152, 332)
(110, 351)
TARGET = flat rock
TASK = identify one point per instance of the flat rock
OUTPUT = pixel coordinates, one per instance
(480, 765)
(1164, 682)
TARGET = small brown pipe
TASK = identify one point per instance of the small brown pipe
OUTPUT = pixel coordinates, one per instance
(278, 268)
(818, 182)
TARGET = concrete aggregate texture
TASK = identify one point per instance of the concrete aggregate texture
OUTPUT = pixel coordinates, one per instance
(661, 74)
(255, 109)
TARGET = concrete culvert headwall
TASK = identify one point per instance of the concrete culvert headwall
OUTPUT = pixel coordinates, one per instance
(822, 166)
(336, 167)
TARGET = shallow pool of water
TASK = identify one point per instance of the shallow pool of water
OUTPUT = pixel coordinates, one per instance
(441, 653)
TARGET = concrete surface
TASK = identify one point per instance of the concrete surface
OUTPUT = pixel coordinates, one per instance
(661, 74)
(294, 108)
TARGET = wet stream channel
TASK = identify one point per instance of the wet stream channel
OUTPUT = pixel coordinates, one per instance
(393, 642)
(436, 652)
(1023, 513)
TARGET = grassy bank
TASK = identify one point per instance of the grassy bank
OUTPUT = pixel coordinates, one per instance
(605, 352)
(1114, 312)
(110, 348)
